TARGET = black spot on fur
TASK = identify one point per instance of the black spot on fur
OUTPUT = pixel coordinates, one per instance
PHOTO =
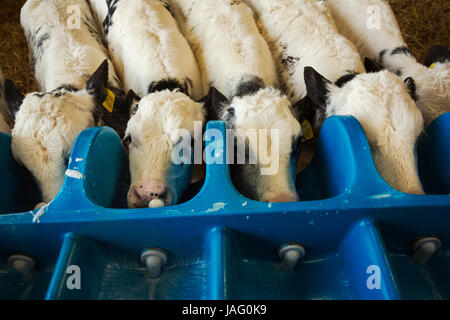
(346, 78)
(68, 87)
(381, 56)
(167, 84)
(437, 54)
(372, 66)
(411, 86)
(107, 23)
(249, 87)
(37, 41)
(289, 63)
(401, 50)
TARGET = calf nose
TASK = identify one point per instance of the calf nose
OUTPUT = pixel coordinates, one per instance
(143, 193)
(283, 197)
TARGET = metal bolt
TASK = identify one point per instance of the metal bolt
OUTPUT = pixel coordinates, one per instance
(290, 254)
(23, 265)
(154, 259)
(424, 248)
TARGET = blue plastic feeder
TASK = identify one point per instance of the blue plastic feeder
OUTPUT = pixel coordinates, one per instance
(350, 237)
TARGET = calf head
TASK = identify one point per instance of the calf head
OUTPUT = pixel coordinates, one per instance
(384, 106)
(159, 124)
(47, 124)
(432, 79)
(265, 142)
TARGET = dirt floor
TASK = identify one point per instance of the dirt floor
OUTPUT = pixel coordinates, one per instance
(423, 22)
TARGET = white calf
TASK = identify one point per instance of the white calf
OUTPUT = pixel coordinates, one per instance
(372, 26)
(304, 31)
(155, 60)
(66, 53)
(236, 60)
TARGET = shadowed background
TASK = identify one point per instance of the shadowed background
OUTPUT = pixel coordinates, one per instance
(423, 22)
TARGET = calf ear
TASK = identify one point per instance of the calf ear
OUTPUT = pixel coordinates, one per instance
(98, 81)
(411, 86)
(310, 116)
(317, 87)
(132, 101)
(13, 97)
(213, 103)
(372, 66)
(437, 54)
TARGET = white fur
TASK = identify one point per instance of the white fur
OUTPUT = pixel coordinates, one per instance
(391, 121)
(303, 30)
(154, 133)
(146, 45)
(231, 51)
(352, 16)
(46, 126)
(266, 110)
(226, 41)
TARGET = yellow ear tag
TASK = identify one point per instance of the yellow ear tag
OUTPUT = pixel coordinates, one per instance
(308, 133)
(432, 66)
(108, 104)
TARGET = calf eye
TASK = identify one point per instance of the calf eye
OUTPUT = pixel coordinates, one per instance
(127, 141)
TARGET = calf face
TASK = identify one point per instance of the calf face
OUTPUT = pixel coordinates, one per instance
(151, 136)
(266, 139)
(383, 105)
(47, 124)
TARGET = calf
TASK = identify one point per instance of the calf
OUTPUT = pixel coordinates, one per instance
(76, 92)
(305, 39)
(155, 60)
(236, 60)
(372, 26)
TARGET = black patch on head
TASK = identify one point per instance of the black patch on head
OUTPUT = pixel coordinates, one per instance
(372, 66)
(214, 103)
(167, 84)
(107, 23)
(411, 86)
(401, 50)
(381, 56)
(346, 78)
(316, 86)
(249, 87)
(13, 97)
(437, 54)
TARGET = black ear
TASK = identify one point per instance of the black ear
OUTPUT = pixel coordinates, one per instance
(213, 103)
(98, 81)
(317, 87)
(411, 86)
(132, 101)
(437, 54)
(309, 113)
(372, 66)
(13, 97)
